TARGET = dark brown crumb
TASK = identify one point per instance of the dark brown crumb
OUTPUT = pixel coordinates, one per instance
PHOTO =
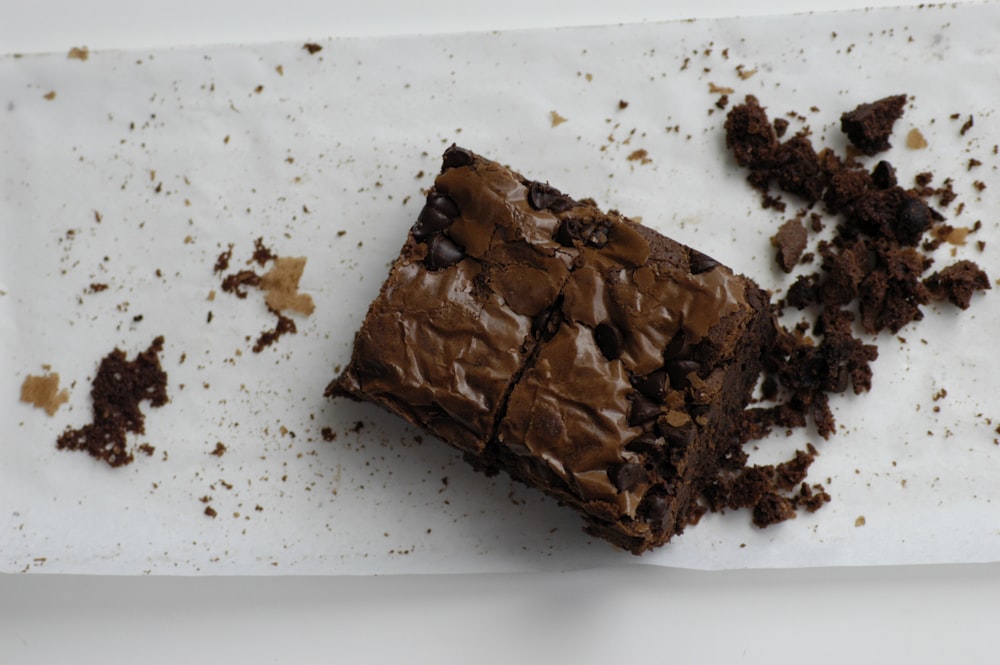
(117, 390)
(210, 511)
(220, 449)
(328, 434)
(234, 283)
(312, 48)
(284, 326)
(958, 282)
(966, 126)
(222, 263)
(97, 287)
(262, 253)
(870, 125)
(790, 241)
(146, 449)
(622, 104)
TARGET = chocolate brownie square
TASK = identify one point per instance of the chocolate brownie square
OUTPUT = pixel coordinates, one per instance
(585, 355)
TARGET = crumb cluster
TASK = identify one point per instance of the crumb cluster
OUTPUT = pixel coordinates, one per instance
(872, 276)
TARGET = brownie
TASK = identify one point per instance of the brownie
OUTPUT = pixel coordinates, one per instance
(585, 355)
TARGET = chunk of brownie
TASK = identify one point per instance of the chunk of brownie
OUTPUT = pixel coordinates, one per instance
(585, 355)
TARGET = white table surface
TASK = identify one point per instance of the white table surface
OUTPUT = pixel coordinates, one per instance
(920, 614)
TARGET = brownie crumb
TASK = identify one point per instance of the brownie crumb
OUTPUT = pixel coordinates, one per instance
(220, 449)
(284, 326)
(234, 283)
(869, 125)
(312, 48)
(328, 434)
(966, 126)
(222, 263)
(117, 391)
(790, 240)
(958, 282)
(262, 253)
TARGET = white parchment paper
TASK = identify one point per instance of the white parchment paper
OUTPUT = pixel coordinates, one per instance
(136, 169)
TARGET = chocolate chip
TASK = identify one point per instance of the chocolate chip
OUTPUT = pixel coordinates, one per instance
(567, 232)
(678, 346)
(598, 235)
(699, 262)
(443, 204)
(609, 340)
(455, 157)
(677, 437)
(442, 252)
(912, 219)
(430, 221)
(655, 510)
(642, 411)
(884, 175)
(594, 234)
(646, 443)
(679, 370)
(541, 195)
(627, 476)
(546, 323)
(653, 385)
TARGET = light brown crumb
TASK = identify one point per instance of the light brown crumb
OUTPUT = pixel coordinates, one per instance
(915, 140)
(281, 286)
(556, 118)
(43, 392)
(640, 156)
(719, 90)
(50, 95)
(78, 53)
(860, 521)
